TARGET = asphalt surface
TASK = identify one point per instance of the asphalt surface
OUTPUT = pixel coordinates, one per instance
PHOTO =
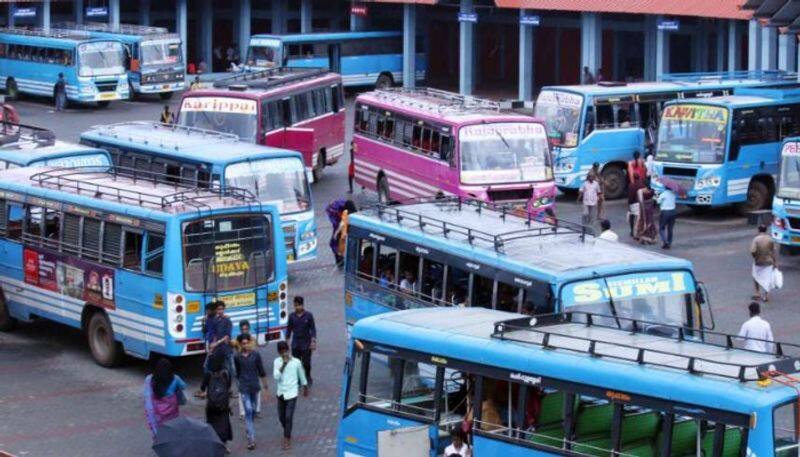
(55, 401)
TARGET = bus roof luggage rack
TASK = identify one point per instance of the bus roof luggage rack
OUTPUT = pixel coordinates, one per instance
(270, 78)
(125, 29)
(118, 131)
(48, 33)
(471, 235)
(74, 178)
(650, 343)
(14, 135)
(438, 101)
(717, 76)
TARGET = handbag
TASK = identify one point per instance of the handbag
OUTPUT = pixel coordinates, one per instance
(777, 278)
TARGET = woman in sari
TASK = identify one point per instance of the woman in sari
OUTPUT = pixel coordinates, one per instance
(163, 393)
(646, 232)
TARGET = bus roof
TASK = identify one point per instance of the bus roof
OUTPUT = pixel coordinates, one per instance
(329, 36)
(42, 35)
(747, 97)
(614, 88)
(508, 242)
(471, 335)
(440, 105)
(126, 32)
(142, 196)
(186, 143)
(26, 153)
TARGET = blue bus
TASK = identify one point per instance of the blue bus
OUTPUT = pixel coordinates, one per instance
(561, 385)
(133, 261)
(275, 176)
(609, 121)
(94, 68)
(726, 150)
(29, 146)
(156, 58)
(786, 203)
(362, 58)
(464, 253)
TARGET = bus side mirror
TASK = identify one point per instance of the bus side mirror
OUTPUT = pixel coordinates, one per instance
(704, 304)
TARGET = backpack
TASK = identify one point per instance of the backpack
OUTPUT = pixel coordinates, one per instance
(218, 393)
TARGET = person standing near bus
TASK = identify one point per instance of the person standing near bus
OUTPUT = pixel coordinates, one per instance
(588, 78)
(252, 380)
(60, 92)
(221, 336)
(637, 168)
(290, 376)
(756, 331)
(167, 117)
(195, 85)
(599, 178)
(351, 169)
(589, 195)
(163, 395)
(302, 332)
(765, 261)
(666, 216)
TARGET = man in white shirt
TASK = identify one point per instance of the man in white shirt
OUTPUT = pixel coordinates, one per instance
(606, 233)
(589, 194)
(758, 329)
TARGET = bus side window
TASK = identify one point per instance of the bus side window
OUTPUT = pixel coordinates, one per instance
(154, 254)
(416, 137)
(447, 149)
(784, 424)
(436, 144)
(33, 222)
(508, 298)
(71, 234)
(90, 239)
(432, 281)
(381, 125)
(409, 271)
(132, 253)
(388, 129)
(605, 117)
(366, 258)
(3, 217)
(386, 269)
(482, 291)
(457, 287)
(538, 299)
(399, 129)
(588, 126)
(112, 243)
(16, 215)
(328, 98)
(334, 99)
(52, 227)
(308, 100)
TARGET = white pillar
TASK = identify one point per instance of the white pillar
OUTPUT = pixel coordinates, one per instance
(787, 52)
(592, 42)
(278, 17)
(113, 13)
(769, 48)
(721, 34)
(46, 14)
(181, 25)
(207, 33)
(753, 45)
(11, 7)
(526, 53)
(306, 16)
(79, 11)
(409, 45)
(245, 11)
(144, 13)
(650, 29)
(662, 52)
(733, 46)
(466, 52)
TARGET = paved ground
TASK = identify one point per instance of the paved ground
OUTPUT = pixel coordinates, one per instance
(54, 401)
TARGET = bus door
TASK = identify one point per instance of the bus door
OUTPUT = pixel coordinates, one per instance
(294, 138)
(335, 57)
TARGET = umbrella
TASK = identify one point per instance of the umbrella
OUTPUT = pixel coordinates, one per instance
(672, 185)
(187, 437)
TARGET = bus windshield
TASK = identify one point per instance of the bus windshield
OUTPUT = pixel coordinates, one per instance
(263, 56)
(161, 52)
(280, 180)
(101, 58)
(237, 116)
(655, 297)
(508, 152)
(692, 134)
(562, 112)
(790, 171)
(227, 253)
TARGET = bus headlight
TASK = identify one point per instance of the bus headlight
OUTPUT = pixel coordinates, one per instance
(564, 167)
(541, 201)
(308, 235)
(708, 182)
(88, 89)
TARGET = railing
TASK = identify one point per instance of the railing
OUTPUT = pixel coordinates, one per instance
(125, 29)
(716, 76)
(50, 33)
(445, 101)
(128, 131)
(271, 77)
(15, 134)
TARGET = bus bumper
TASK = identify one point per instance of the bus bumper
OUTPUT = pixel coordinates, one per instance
(785, 237)
(572, 180)
(103, 96)
(160, 88)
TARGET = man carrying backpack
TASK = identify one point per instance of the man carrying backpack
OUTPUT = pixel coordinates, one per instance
(218, 393)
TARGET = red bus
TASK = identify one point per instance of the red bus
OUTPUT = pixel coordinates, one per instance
(292, 108)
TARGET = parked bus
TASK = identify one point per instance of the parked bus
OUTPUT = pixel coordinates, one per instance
(609, 121)
(726, 150)
(561, 385)
(93, 68)
(156, 57)
(28, 146)
(204, 158)
(294, 108)
(453, 252)
(362, 58)
(134, 261)
(786, 204)
(423, 142)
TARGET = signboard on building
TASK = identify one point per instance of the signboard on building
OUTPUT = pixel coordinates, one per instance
(25, 12)
(669, 25)
(96, 11)
(468, 17)
(530, 20)
(359, 10)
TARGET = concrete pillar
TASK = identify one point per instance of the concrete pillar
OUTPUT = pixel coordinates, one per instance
(113, 13)
(357, 23)
(592, 43)
(650, 29)
(753, 45)
(466, 52)
(306, 16)
(409, 45)
(144, 13)
(720, 52)
(207, 33)
(278, 16)
(769, 48)
(79, 11)
(733, 46)
(181, 24)
(11, 7)
(787, 53)
(700, 48)
(526, 52)
(46, 15)
(662, 52)
(245, 21)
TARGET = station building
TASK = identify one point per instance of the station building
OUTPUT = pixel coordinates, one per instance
(512, 47)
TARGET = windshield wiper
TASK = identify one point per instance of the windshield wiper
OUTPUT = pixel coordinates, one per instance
(503, 139)
(611, 303)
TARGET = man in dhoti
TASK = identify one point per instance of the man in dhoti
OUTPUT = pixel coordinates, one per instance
(765, 261)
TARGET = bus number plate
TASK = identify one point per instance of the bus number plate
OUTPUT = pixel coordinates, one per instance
(165, 86)
(108, 96)
(796, 239)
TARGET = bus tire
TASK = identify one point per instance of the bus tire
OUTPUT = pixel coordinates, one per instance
(106, 351)
(164, 96)
(384, 81)
(319, 166)
(383, 191)
(614, 181)
(757, 198)
(12, 92)
(104, 104)
(7, 323)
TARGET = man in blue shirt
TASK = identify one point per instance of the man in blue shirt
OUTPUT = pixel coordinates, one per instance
(302, 331)
(666, 219)
(221, 328)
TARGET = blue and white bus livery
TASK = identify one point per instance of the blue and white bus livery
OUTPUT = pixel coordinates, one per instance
(29, 146)
(786, 203)
(31, 60)
(134, 261)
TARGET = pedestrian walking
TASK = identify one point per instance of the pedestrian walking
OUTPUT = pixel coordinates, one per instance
(163, 395)
(765, 263)
(666, 216)
(167, 117)
(195, 85)
(605, 231)
(252, 382)
(633, 204)
(218, 410)
(458, 444)
(351, 169)
(637, 168)
(60, 92)
(244, 328)
(589, 195)
(588, 78)
(302, 332)
(756, 331)
(221, 328)
(290, 376)
(334, 211)
(595, 170)
(646, 232)
(341, 231)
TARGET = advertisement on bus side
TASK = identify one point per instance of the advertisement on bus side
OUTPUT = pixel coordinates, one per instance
(69, 276)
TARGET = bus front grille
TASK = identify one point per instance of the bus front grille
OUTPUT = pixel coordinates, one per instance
(288, 236)
(510, 195)
(106, 86)
(794, 223)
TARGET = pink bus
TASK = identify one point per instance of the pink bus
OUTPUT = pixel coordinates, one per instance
(301, 109)
(424, 142)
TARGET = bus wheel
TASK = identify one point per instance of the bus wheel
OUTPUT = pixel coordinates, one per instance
(165, 96)
(383, 191)
(614, 182)
(7, 322)
(757, 198)
(103, 104)
(319, 166)
(105, 350)
(384, 81)
(11, 89)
